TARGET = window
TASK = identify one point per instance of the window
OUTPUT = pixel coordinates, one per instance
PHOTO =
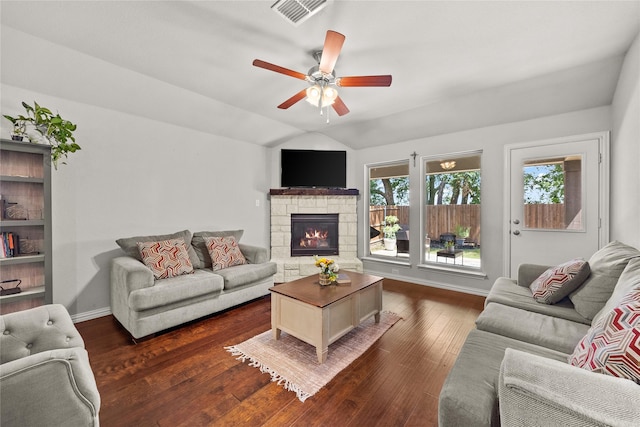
(552, 193)
(389, 210)
(452, 210)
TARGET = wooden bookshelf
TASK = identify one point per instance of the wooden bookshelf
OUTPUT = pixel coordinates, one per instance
(25, 186)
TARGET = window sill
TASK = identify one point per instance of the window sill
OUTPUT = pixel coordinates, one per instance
(387, 260)
(460, 271)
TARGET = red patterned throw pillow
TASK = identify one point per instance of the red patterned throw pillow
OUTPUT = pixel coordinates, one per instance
(612, 345)
(166, 258)
(224, 252)
(558, 282)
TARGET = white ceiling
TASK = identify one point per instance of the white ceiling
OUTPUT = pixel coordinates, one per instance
(455, 64)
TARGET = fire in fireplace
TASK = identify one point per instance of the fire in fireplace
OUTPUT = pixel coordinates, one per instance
(314, 234)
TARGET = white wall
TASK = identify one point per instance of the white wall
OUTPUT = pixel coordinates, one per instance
(625, 151)
(491, 140)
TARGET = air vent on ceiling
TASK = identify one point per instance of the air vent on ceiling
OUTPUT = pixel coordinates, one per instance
(298, 11)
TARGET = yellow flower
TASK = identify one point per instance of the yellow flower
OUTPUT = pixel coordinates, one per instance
(327, 266)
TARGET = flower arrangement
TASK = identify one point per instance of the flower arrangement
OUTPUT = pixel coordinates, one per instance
(328, 267)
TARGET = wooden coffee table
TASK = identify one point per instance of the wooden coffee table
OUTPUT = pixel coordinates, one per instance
(319, 315)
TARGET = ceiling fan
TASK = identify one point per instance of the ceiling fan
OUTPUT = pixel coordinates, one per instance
(322, 79)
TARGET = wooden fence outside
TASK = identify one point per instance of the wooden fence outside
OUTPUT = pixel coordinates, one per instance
(440, 219)
(545, 216)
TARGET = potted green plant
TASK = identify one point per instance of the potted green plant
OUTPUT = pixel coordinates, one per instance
(391, 227)
(19, 129)
(41, 123)
(461, 234)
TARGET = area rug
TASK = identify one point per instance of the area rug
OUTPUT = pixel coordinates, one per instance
(294, 364)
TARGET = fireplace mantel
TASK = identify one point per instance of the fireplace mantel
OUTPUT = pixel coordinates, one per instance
(314, 192)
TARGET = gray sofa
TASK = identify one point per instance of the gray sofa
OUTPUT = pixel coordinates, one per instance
(144, 305)
(513, 368)
(45, 376)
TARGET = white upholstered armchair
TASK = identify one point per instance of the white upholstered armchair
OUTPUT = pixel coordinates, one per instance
(45, 376)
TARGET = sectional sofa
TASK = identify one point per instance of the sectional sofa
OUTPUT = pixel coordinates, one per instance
(574, 360)
(176, 280)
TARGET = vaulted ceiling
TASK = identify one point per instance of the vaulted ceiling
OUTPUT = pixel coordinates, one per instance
(456, 64)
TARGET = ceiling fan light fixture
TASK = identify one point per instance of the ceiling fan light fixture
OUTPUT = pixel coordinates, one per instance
(448, 165)
(319, 96)
(313, 94)
(330, 95)
(322, 78)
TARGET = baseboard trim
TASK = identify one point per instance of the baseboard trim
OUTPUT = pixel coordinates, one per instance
(90, 315)
(434, 284)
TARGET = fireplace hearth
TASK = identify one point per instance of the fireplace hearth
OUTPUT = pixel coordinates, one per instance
(314, 234)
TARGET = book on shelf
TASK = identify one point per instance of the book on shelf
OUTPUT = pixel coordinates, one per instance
(8, 245)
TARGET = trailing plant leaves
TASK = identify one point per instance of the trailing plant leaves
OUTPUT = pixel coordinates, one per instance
(54, 128)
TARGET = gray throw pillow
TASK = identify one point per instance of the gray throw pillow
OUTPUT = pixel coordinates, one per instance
(628, 281)
(130, 244)
(200, 246)
(606, 267)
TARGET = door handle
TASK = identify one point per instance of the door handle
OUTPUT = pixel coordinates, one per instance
(516, 221)
(516, 233)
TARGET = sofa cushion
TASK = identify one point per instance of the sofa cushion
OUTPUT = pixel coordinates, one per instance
(176, 289)
(130, 244)
(469, 396)
(166, 258)
(224, 252)
(240, 275)
(506, 291)
(612, 345)
(200, 247)
(535, 328)
(559, 281)
(628, 281)
(606, 265)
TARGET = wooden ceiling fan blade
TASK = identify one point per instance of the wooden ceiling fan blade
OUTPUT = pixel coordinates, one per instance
(331, 50)
(361, 81)
(340, 107)
(295, 98)
(279, 69)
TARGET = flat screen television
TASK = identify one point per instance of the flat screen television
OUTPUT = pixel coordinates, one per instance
(313, 168)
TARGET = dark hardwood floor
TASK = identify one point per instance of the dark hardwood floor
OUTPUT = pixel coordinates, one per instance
(185, 377)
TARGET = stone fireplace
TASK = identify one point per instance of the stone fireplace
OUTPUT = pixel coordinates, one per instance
(314, 221)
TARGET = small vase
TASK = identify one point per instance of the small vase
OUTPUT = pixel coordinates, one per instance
(324, 279)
